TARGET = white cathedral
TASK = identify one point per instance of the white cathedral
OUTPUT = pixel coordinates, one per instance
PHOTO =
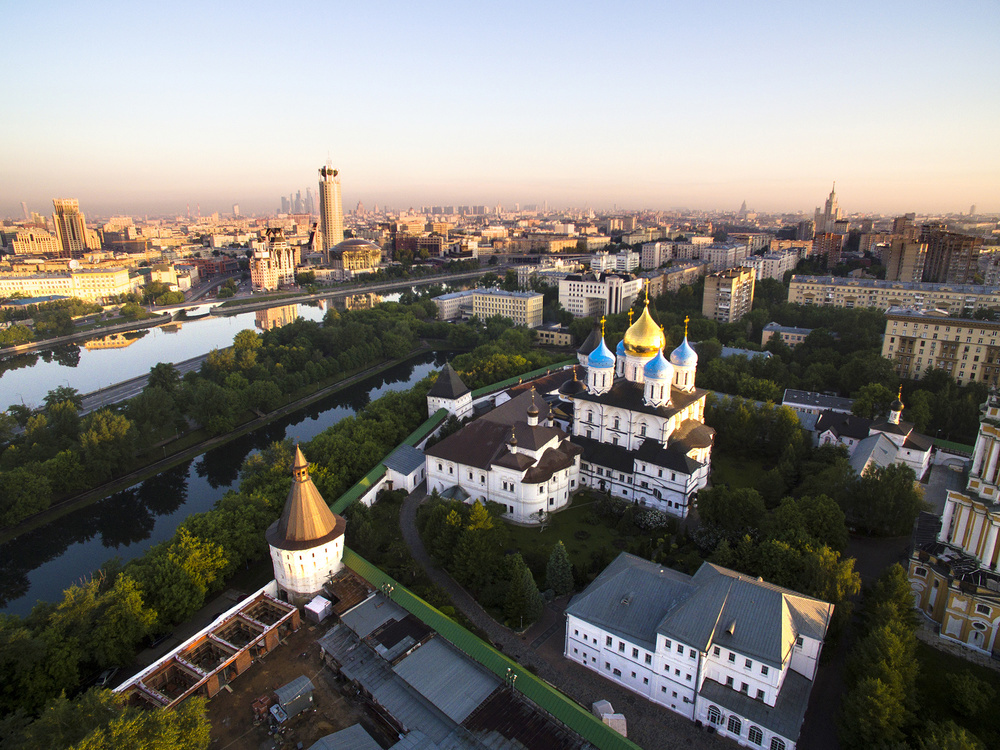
(637, 433)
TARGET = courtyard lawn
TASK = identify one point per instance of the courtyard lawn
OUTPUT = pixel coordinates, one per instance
(935, 703)
(736, 472)
(581, 538)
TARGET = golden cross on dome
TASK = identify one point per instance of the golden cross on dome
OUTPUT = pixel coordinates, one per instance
(646, 284)
(602, 325)
(686, 319)
(900, 394)
(630, 317)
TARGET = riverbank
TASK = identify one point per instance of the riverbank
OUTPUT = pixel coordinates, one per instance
(185, 450)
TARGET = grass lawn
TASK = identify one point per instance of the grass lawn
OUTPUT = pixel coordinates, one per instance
(935, 705)
(736, 472)
(535, 546)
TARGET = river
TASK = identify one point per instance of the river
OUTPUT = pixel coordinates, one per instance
(41, 563)
(103, 361)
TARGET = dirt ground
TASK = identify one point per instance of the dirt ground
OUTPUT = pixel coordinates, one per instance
(231, 714)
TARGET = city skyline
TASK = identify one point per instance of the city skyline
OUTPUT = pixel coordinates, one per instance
(648, 107)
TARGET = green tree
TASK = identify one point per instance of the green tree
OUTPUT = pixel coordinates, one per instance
(559, 570)
(22, 492)
(15, 335)
(61, 394)
(871, 715)
(947, 736)
(968, 694)
(124, 620)
(735, 511)
(523, 603)
(885, 501)
(872, 401)
(106, 443)
(164, 375)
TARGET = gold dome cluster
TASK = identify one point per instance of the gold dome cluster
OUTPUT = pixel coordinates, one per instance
(644, 336)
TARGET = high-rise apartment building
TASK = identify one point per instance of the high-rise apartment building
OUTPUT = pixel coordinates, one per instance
(331, 210)
(272, 262)
(827, 218)
(952, 258)
(828, 245)
(904, 260)
(71, 228)
(965, 348)
(728, 294)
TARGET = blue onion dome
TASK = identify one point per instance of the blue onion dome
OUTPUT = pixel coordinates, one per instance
(684, 355)
(620, 350)
(601, 357)
(658, 368)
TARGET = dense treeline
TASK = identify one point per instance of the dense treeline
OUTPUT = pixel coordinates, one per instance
(471, 542)
(61, 453)
(103, 620)
(883, 706)
(51, 319)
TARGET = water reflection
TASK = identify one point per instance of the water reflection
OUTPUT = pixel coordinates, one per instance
(41, 563)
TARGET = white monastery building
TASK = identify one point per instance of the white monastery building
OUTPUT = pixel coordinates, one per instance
(719, 647)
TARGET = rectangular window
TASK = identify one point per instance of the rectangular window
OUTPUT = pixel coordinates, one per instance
(621, 647)
(649, 658)
(680, 649)
(616, 672)
(760, 695)
(692, 653)
(763, 669)
(607, 640)
(748, 664)
(635, 653)
(716, 651)
(732, 657)
(744, 688)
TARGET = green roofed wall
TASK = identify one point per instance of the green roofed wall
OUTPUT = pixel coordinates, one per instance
(519, 378)
(565, 710)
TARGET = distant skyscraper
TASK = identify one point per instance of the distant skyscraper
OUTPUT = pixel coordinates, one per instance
(331, 210)
(826, 219)
(285, 205)
(236, 209)
(24, 210)
(310, 201)
(71, 228)
(972, 209)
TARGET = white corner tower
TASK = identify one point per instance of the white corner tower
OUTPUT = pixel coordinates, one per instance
(307, 542)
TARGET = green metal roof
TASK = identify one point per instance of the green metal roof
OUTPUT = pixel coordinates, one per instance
(518, 378)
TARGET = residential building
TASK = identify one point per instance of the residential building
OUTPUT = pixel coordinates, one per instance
(71, 229)
(36, 242)
(952, 258)
(655, 254)
(524, 308)
(789, 334)
(772, 265)
(553, 335)
(626, 261)
(728, 650)
(272, 262)
(904, 260)
(641, 421)
(723, 255)
(958, 299)
(728, 294)
(331, 208)
(602, 262)
(953, 566)
(593, 295)
(828, 245)
(826, 219)
(964, 348)
(683, 273)
(91, 284)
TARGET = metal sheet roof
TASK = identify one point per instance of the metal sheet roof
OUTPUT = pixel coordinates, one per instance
(371, 613)
(405, 460)
(353, 738)
(436, 669)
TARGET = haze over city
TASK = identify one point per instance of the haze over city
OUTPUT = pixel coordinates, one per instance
(639, 105)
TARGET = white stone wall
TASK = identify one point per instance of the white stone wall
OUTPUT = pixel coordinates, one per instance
(304, 572)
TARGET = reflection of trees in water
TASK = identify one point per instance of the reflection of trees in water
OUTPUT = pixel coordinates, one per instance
(67, 356)
(129, 517)
(17, 362)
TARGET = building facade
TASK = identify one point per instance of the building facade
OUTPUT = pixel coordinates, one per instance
(93, 285)
(731, 651)
(772, 265)
(71, 228)
(953, 567)
(593, 295)
(966, 349)
(524, 308)
(728, 294)
(904, 260)
(36, 242)
(957, 299)
(952, 258)
(355, 256)
(272, 262)
(789, 334)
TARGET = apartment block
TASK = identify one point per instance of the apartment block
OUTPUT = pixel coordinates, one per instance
(93, 285)
(956, 299)
(964, 348)
(772, 265)
(524, 308)
(904, 260)
(728, 294)
(952, 258)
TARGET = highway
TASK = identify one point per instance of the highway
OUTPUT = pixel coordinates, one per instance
(127, 389)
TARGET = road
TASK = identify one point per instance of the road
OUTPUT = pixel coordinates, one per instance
(126, 389)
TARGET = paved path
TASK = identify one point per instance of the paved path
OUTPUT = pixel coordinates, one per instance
(132, 387)
(540, 650)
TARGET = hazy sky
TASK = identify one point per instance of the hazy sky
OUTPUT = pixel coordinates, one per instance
(145, 107)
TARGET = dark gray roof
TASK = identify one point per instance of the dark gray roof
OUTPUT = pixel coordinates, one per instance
(843, 425)
(877, 448)
(405, 459)
(297, 687)
(638, 599)
(437, 668)
(784, 717)
(448, 384)
(353, 738)
(818, 400)
(591, 342)
(630, 597)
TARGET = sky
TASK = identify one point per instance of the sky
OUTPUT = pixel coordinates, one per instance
(144, 108)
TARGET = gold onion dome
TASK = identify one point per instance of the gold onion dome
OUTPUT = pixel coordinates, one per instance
(644, 336)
